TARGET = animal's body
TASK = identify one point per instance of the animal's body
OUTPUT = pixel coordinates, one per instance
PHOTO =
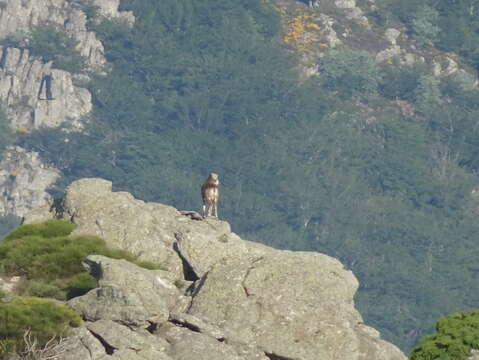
(210, 193)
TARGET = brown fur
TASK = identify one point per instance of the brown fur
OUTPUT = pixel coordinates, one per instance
(210, 193)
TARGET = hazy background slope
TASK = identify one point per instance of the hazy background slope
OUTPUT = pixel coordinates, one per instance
(372, 162)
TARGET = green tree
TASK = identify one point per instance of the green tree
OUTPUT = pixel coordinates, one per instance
(349, 72)
(456, 335)
(425, 24)
(50, 43)
(400, 82)
(428, 93)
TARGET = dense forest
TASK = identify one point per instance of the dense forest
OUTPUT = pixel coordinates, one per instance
(205, 85)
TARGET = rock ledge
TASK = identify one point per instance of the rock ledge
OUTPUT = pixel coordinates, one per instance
(219, 297)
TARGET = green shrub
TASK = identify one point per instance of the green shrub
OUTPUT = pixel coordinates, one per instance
(428, 93)
(50, 259)
(40, 289)
(456, 335)
(50, 43)
(349, 72)
(48, 229)
(43, 318)
(425, 24)
(400, 82)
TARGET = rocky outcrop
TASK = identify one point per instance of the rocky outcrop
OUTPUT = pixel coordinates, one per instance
(219, 297)
(110, 9)
(22, 88)
(21, 76)
(474, 355)
(21, 79)
(23, 180)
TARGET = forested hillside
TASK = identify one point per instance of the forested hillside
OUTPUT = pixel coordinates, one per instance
(325, 164)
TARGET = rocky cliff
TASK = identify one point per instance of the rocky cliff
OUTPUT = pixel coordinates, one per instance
(21, 75)
(23, 179)
(218, 297)
(21, 79)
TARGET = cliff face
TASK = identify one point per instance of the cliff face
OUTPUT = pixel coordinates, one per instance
(218, 297)
(24, 179)
(21, 79)
(20, 83)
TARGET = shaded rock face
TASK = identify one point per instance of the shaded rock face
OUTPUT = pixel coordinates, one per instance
(23, 180)
(21, 79)
(220, 297)
(21, 75)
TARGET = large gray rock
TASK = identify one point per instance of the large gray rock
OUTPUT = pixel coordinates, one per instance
(199, 325)
(124, 343)
(81, 344)
(24, 178)
(110, 9)
(248, 301)
(21, 79)
(307, 298)
(203, 249)
(190, 345)
(345, 4)
(149, 234)
(105, 339)
(391, 35)
(474, 355)
(128, 293)
(155, 233)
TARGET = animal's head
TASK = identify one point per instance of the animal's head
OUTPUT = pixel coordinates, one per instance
(213, 178)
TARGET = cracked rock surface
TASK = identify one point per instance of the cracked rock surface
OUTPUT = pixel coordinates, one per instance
(128, 294)
(219, 297)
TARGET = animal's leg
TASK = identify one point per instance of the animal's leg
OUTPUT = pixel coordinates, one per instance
(204, 209)
(215, 210)
(209, 209)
